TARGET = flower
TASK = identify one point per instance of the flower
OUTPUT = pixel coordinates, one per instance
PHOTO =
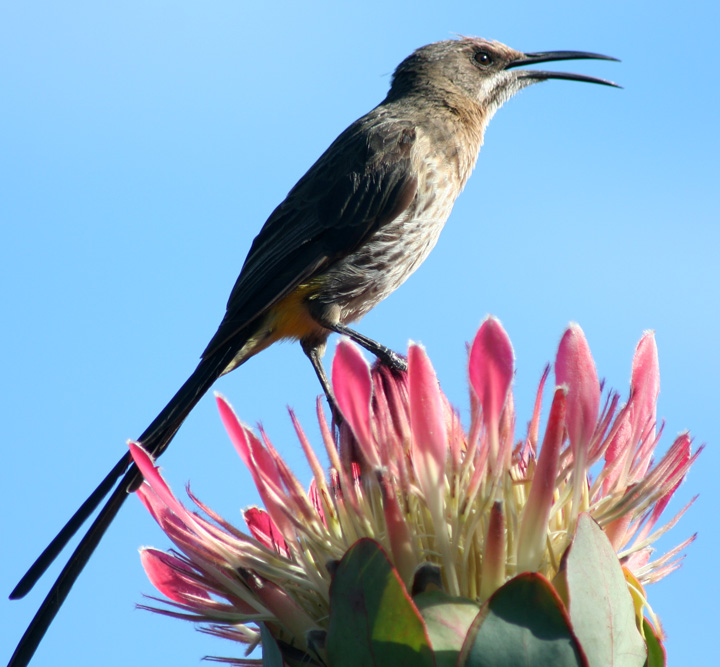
(477, 505)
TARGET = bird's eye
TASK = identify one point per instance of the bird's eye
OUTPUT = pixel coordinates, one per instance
(483, 58)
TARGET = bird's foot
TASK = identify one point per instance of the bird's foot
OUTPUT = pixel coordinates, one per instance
(391, 359)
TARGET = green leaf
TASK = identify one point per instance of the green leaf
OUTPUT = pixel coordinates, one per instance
(447, 620)
(523, 624)
(656, 651)
(600, 606)
(373, 621)
(271, 655)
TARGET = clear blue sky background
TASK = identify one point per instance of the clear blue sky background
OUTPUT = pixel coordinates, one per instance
(142, 146)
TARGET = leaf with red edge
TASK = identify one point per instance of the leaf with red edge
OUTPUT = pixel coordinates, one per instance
(373, 621)
(524, 624)
(600, 604)
(656, 650)
(448, 620)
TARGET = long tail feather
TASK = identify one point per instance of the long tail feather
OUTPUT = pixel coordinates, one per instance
(155, 439)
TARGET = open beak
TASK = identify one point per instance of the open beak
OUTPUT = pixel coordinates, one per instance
(551, 56)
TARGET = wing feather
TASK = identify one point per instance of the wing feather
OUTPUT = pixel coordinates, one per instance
(362, 182)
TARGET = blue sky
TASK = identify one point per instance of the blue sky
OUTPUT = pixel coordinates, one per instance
(143, 145)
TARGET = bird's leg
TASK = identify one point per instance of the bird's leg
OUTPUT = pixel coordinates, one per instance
(314, 353)
(387, 356)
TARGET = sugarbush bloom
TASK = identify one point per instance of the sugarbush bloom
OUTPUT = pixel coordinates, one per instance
(472, 514)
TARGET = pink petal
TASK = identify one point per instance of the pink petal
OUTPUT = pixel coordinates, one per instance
(475, 424)
(534, 523)
(262, 467)
(645, 536)
(491, 369)
(264, 530)
(316, 501)
(290, 490)
(253, 454)
(390, 401)
(604, 428)
(574, 367)
(283, 607)
(668, 473)
(664, 565)
(647, 440)
(159, 510)
(638, 559)
(318, 484)
(391, 407)
(228, 535)
(617, 452)
(166, 573)
(644, 383)
(149, 471)
(617, 531)
(339, 477)
(534, 426)
(506, 433)
(495, 555)
(256, 458)
(399, 533)
(352, 387)
(491, 372)
(150, 501)
(427, 422)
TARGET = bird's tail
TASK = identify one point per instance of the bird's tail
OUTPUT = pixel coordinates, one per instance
(155, 439)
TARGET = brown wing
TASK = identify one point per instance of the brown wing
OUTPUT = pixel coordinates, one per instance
(363, 181)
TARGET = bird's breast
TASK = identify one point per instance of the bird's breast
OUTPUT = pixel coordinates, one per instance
(359, 281)
(442, 161)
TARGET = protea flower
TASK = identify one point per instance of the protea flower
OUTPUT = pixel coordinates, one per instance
(426, 543)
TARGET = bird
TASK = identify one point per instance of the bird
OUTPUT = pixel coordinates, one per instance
(349, 233)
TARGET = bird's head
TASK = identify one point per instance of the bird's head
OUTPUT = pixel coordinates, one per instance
(481, 70)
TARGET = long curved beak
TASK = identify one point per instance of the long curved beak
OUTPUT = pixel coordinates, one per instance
(552, 56)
